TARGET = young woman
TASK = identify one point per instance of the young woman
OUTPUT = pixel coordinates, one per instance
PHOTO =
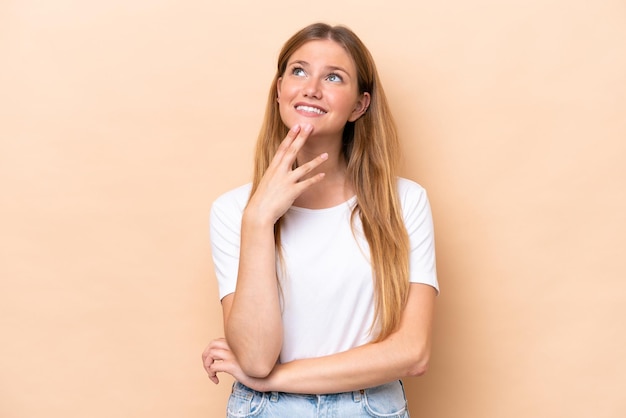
(325, 263)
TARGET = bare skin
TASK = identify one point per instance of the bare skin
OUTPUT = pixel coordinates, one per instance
(254, 329)
(404, 353)
(317, 96)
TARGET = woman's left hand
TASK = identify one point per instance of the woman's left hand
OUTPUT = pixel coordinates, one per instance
(218, 357)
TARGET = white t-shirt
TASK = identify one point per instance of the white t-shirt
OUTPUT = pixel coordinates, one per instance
(328, 291)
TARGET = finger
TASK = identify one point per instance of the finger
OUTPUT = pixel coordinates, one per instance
(215, 363)
(214, 378)
(217, 350)
(286, 142)
(221, 354)
(214, 355)
(207, 364)
(218, 342)
(304, 169)
(212, 374)
(222, 367)
(298, 142)
(205, 353)
(305, 184)
(291, 136)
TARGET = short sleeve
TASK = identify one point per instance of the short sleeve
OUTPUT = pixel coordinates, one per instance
(419, 224)
(225, 235)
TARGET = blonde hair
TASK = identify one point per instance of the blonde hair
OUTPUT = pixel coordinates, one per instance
(371, 149)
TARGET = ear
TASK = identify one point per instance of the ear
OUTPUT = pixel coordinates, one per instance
(360, 107)
(278, 84)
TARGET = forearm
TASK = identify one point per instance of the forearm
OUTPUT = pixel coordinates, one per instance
(362, 367)
(405, 352)
(359, 368)
(253, 327)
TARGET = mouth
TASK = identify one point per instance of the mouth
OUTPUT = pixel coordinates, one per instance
(310, 109)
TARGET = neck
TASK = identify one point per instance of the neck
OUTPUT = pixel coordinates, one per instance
(335, 187)
(315, 146)
(334, 167)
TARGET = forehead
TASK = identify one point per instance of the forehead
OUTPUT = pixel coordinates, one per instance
(325, 53)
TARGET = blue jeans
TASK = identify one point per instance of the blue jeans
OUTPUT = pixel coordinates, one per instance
(386, 400)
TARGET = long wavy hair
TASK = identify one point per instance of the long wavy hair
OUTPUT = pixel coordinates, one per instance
(371, 149)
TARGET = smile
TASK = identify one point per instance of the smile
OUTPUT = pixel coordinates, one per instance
(311, 109)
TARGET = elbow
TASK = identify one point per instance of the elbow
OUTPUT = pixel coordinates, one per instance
(256, 364)
(418, 369)
(418, 364)
(255, 359)
(257, 369)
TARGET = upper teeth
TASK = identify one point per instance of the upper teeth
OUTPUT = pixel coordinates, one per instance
(311, 109)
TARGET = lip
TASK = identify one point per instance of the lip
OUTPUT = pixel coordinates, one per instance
(307, 113)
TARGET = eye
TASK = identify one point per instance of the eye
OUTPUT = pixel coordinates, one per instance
(298, 71)
(335, 78)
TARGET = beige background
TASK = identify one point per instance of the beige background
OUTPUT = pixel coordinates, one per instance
(122, 120)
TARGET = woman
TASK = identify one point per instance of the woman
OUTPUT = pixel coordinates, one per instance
(325, 263)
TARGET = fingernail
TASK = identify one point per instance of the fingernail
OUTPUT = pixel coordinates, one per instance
(295, 128)
(308, 128)
(324, 156)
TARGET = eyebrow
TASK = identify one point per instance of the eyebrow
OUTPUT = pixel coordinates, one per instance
(329, 67)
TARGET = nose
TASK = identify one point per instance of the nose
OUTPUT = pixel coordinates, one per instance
(312, 88)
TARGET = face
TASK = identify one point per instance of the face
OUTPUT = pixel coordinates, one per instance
(320, 87)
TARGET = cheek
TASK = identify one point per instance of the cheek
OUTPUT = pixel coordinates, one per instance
(286, 90)
(346, 102)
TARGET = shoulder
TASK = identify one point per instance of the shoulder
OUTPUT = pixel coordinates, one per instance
(234, 198)
(413, 201)
(232, 203)
(410, 192)
(408, 186)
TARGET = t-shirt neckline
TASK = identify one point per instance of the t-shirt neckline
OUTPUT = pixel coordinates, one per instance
(350, 202)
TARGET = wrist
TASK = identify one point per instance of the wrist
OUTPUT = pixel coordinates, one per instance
(256, 219)
(270, 383)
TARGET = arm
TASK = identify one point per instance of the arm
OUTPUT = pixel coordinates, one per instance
(252, 317)
(404, 353)
(252, 320)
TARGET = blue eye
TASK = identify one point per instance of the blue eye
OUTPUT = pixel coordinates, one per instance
(298, 71)
(334, 78)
